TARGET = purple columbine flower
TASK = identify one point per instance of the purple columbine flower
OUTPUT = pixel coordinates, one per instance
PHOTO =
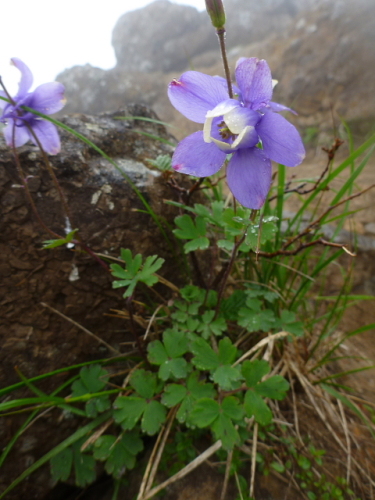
(246, 127)
(48, 98)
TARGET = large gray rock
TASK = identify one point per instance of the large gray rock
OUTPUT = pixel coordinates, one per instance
(160, 37)
(320, 51)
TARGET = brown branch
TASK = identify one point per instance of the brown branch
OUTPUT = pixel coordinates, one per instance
(310, 227)
(331, 154)
(27, 191)
(319, 241)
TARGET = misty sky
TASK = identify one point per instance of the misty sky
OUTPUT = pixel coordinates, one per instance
(50, 36)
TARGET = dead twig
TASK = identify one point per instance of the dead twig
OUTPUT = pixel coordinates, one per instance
(101, 341)
(253, 460)
(183, 472)
(226, 477)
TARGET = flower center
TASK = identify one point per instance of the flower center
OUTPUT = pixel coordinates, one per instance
(224, 131)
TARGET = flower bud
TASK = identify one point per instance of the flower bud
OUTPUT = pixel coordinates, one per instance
(215, 9)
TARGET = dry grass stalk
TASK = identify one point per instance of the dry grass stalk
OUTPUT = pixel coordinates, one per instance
(151, 321)
(183, 472)
(160, 448)
(253, 460)
(101, 341)
(260, 344)
(146, 475)
(226, 477)
(96, 434)
(348, 442)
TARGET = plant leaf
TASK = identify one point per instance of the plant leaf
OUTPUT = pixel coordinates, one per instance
(61, 465)
(205, 411)
(275, 387)
(128, 410)
(144, 382)
(255, 406)
(254, 371)
(154, 416)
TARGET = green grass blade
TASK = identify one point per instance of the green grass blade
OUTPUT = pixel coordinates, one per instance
(29, 419)
(324, 184)
(18, 385)
(144, 119)
(343, 374)
(350, 405)
(155, 137)
(68, 442)
(358, 331)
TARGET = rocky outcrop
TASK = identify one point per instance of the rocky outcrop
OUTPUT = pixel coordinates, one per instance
(110, 215)
(320, 51)
(160, 37)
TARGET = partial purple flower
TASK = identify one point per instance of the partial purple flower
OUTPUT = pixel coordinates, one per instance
(48, 98)
(247, 127)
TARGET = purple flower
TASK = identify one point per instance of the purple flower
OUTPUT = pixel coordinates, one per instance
(246, 127)
(47, 99)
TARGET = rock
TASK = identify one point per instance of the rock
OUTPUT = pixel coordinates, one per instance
(320, 51)
(92, 90)
(160, 37)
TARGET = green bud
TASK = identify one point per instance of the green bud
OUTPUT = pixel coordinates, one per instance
(215, 9)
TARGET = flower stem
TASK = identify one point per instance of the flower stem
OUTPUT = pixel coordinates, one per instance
(6, 92)
(27, 190)
(221, 35)
(226, 274)
(54, 178)
(129, 306)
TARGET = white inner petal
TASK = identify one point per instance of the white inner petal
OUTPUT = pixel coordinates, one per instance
(224, 146)
(243, 136)
(207, 130)
(222, 108)
(235, 120)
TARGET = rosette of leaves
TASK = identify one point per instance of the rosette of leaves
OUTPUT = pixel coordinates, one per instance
(189, 316)
(92, 379)
(135, 271)
(143, 406)
(260, 313)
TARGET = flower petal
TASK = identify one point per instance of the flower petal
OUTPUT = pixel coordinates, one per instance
(26, 78)
(47, 135)
(281, 140)
(48, 98)
(195, 157)
(21, 135)
(248, 138)
(238, 118)
(275, 106)
(195, 93)
(254, 79)
(249, 177)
